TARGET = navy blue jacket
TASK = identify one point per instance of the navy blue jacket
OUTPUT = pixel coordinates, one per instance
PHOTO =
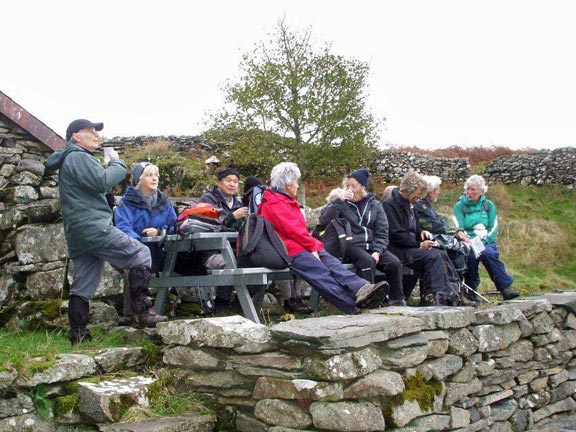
(132, 214)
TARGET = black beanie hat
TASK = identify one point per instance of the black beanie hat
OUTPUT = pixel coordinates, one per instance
(250, 182)
(226, 172)
(361, 175)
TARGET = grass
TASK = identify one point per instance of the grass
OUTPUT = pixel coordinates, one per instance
(29, 352)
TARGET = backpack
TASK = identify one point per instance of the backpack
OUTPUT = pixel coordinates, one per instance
(200, 217)
(253, 198)
(336, 237)
(258, 245)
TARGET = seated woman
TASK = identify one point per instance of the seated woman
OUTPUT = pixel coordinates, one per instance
(291, 290)
(477, 216)
(456, 241)
(310, 261)
(412, 245)
(144, 211)
(369, 227)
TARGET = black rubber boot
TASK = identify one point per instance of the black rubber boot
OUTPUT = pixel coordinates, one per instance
(78, 314)
(146, 316)
(295, 304)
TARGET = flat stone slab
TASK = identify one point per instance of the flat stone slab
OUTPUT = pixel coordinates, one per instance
(567, 424)
(345, 331)
(437, 317)
(184, 423)
(566, 299)
(235, 332)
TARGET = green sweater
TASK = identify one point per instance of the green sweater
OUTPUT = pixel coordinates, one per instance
(468, 214)
(83, 184)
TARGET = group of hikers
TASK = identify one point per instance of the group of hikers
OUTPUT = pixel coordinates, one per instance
(382, 236)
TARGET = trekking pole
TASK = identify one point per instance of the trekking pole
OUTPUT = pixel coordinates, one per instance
(476, 293)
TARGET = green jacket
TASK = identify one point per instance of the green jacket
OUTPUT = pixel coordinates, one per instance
(468, 214)
(83, 184)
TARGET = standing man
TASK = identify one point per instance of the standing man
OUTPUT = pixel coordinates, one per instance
(90, 234)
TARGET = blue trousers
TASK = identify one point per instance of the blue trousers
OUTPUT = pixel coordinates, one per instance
(326, 275)
(490, 258)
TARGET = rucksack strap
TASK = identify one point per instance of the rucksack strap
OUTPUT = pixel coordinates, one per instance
(344, 233)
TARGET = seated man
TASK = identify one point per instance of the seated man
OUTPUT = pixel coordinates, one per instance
(414, 246)
(224, 196)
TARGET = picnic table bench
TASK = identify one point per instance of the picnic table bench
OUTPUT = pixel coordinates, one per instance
(232, 275)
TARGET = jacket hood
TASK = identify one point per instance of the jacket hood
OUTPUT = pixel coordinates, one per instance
(133, 198)
(56, 160)
(397, 196)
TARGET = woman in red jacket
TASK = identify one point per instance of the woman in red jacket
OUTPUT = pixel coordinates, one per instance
(310, 261)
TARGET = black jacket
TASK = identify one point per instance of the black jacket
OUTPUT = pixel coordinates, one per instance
(369, 228)
(399, 213)
(217, 199)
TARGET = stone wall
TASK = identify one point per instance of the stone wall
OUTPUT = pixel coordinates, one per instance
(394, 164)
(538, 168)
(508, 367)
(541, 168)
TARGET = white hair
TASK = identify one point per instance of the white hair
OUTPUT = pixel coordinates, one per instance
(476, 181)
(284, 174)
(433, 182)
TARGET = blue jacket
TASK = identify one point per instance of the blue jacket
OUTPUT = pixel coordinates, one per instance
(132, 214)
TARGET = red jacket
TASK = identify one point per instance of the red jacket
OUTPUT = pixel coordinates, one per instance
(284, 214)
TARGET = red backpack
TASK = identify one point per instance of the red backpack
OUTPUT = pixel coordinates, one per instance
(199, 217)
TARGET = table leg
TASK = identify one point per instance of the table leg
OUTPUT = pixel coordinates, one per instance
(162, 294)
(246, 303)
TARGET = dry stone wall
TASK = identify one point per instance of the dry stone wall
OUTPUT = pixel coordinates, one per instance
(503, 368)
(393, 165)
(541, 168)
(508, 367)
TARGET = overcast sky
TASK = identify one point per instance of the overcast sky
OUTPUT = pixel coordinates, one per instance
(441, 72)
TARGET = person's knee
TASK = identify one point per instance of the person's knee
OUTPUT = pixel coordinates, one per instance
(215, 261)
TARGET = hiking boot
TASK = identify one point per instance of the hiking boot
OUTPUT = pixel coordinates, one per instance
(79, 335)
(464, 301)
(397, 302)
(78, 314)
(150, 318)
(372, 295)
(428, 300)
(509, 293)
(295, 304)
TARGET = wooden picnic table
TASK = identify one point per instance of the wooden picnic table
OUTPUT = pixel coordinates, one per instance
(231, 275)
